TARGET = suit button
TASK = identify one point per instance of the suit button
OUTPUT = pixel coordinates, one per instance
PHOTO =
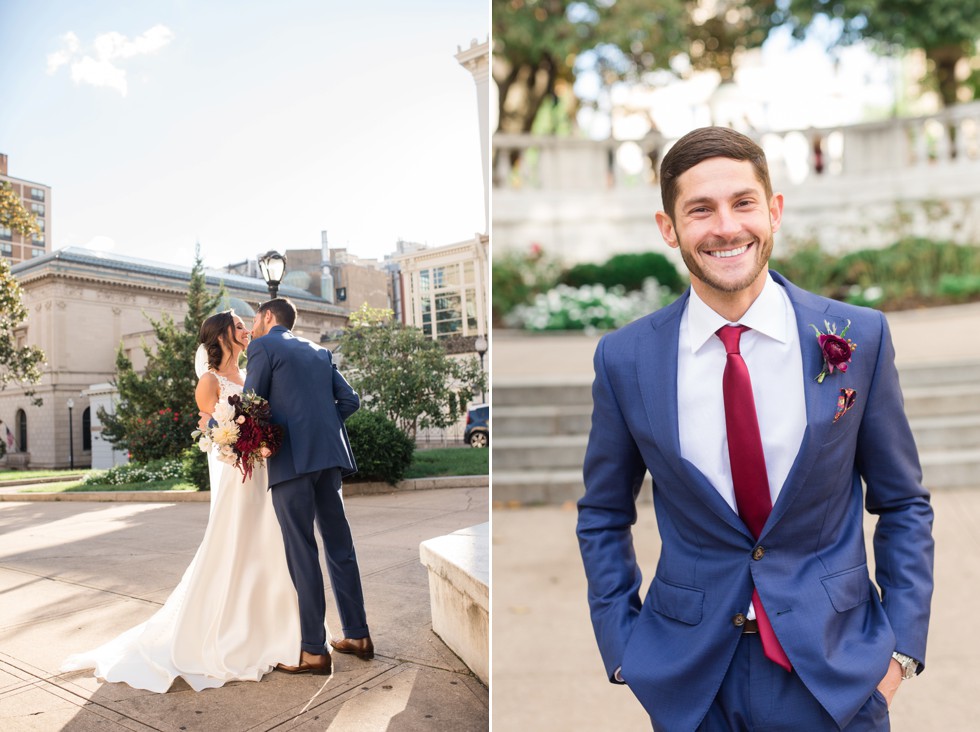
(758, 553)
(739, 620)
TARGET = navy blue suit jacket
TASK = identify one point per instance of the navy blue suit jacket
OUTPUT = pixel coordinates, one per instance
(310, 399)
(675, 646)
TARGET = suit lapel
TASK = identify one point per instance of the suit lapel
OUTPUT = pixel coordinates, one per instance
(656, 367)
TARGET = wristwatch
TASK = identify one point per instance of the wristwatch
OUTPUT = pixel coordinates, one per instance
(909, 665)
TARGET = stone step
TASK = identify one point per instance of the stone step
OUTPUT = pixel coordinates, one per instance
(541, 392)
(951, 432)
(539, 421)
(960, 372)
(944, 400)
(950, 469)
(564, 452)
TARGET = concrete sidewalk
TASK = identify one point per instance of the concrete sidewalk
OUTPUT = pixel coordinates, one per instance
(547, 674)
(75, 574)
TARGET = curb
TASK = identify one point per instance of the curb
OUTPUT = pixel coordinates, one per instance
(351, 489)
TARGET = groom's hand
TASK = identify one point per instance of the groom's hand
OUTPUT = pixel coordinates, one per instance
(205, 421)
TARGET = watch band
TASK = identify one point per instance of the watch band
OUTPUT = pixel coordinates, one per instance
(909, 665)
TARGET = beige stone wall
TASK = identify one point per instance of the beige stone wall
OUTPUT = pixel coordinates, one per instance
(79, 318)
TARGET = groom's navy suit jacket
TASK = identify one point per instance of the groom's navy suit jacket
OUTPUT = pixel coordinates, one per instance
(309, 398)
(675, 647)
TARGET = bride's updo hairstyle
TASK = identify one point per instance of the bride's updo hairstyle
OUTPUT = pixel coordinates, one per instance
(217, 331)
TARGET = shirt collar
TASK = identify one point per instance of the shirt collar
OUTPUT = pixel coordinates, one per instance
(767, 315)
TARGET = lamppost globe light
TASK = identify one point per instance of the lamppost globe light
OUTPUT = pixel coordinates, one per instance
(480, 344)
(272, 265)
(71, 403)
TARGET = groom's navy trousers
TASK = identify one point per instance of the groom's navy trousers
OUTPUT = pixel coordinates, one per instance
(295, 501)
(310, 399)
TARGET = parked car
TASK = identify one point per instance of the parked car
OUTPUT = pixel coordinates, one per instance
(477, 432)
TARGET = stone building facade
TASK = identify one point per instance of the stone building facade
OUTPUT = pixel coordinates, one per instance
(81, 306)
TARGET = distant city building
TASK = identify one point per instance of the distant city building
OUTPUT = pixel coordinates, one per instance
(82, 305)
(446, 291)
(36, 198)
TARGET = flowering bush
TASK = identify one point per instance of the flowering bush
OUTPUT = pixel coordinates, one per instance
(159, 435)
(590, 307)
(151, 472)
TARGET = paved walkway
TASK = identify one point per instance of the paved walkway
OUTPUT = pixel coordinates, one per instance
(74, 574)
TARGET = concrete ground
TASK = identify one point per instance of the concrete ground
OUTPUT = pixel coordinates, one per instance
(75, 574)
(547, 675)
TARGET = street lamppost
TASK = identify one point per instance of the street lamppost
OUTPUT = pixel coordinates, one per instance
(71, 437)
(272, 265)
(481, 345)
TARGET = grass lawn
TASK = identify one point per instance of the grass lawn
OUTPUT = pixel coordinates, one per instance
(449, 461)
(6, 475)
(79, 487)
(425, 464)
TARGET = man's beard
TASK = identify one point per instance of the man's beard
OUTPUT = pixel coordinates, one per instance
(763, 251)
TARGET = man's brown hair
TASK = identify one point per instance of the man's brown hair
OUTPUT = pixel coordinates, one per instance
(282, 310)
(702, 144)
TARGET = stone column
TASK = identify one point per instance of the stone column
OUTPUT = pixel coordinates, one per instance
(476, 60)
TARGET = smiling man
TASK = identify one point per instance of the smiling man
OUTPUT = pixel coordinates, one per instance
(767, 432)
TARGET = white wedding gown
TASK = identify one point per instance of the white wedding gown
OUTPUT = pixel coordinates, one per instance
(234, 614)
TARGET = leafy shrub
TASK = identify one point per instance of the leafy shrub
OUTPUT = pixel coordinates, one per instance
(628, 270)
(161, 434)
(194, 464)
(519, 276)
(151, 472)
(382, 451)
(588, 307)
(913, 271)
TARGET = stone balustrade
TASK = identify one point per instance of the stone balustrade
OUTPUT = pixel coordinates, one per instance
(846, 187)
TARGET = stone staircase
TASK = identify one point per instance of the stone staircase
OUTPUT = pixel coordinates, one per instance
(541, 427)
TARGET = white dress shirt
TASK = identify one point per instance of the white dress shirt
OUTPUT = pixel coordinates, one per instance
(771, 351)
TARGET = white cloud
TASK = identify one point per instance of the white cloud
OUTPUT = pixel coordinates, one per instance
(59, 58)
(99, 73)
(99, 68)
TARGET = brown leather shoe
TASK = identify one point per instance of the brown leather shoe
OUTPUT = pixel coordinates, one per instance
(309, 664)
(363, 648)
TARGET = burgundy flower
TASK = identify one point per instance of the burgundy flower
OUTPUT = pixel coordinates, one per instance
(835, 349)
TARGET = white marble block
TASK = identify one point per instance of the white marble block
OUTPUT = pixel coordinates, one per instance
(459, 592)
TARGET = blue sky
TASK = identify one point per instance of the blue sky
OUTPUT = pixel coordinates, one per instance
(245, 125)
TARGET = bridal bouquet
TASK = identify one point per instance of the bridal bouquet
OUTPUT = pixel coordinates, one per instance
(244, 433)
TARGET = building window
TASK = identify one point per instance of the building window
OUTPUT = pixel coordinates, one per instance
(21, 430)
(6, 248)
(38, 208)
(37, 194)
(38, 239)
(37, 253)
(6, 233)
(87, 429)
(341, 294)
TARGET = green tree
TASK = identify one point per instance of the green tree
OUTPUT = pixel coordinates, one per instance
(167, 383)
(539, 45)
(947, 30)
(19, 364)
(405, 375)
(13, 215)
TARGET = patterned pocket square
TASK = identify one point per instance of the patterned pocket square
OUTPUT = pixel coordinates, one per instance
(844, 402)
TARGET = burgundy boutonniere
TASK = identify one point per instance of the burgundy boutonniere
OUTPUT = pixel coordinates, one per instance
(835, 349)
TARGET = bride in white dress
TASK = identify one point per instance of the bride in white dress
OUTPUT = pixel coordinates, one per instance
(234, 614)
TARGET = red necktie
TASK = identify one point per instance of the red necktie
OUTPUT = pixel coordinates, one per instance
(749, 475)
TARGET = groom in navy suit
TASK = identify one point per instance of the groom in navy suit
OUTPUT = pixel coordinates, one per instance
(310, 398)
(768, 418)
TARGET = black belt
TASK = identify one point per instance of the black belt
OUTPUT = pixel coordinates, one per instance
(751, 626)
